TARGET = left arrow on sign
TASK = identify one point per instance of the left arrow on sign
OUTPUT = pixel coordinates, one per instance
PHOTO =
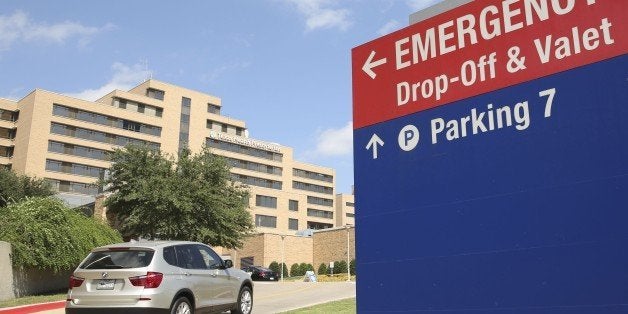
(375, 140)
(370, 64)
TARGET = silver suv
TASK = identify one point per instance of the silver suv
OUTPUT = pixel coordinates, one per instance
(158, 277)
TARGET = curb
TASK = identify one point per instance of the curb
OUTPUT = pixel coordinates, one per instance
(25, 309)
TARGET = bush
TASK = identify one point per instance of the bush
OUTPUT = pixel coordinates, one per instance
(340, 267)
(274, 266)
(322, 269)
(352, 266)
(294, 270)
(46, 234)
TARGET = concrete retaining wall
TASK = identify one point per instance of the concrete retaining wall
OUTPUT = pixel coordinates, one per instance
(15, 283)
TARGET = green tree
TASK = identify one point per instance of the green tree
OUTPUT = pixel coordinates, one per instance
(44, 233)
(322, 269)
(14, 187)
(154, 196)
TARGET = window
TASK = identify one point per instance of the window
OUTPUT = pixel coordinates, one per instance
(312, 187)
(350, 215)
(224, 128)
(349, 204)
(6, 151)
(320, 201)
(312, 175)
(320, 213)
(97, 136)
(210, 258)
(86, 116)
(293, 224)
(293, 205)
(155, 93)
(318, 225)
(211, 108)
(9, 115)
(265, 221)
(266, 201)
(265, 183)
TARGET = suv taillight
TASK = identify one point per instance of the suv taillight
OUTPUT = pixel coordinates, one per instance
(150, 280)
(76, 281)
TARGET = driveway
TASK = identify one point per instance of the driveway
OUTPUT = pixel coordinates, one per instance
(274, 297)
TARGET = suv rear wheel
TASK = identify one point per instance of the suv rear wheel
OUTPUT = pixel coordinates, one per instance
(181, 306)
(245, 301)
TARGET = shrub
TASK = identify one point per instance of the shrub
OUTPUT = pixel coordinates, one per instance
(322, 269)
(274, 266)
(294, 270)
(340, 267)
(46, 234)
(302, 269)
(352, 266)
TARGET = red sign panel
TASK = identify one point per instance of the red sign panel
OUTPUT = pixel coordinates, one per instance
(480, 47)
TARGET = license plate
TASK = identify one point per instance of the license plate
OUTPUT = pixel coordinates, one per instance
(272, 278)
(105, 284)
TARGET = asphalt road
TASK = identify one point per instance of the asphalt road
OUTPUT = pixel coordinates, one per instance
(274, 297)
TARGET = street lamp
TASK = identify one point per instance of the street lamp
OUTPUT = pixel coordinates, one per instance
(282, 257)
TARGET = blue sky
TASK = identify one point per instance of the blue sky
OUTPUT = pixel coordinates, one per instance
(282, 66)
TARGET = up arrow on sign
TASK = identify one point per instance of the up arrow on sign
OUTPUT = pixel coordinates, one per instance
(375, 140)
(370, 64)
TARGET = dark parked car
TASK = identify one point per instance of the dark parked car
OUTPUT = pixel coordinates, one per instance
(261, 273)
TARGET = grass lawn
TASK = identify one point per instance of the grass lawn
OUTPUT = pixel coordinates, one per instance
(342, 306)
(33, 300)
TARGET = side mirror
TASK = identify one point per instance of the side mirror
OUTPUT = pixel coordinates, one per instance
(228, 263)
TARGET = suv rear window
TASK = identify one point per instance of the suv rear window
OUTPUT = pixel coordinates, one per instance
(118, 259)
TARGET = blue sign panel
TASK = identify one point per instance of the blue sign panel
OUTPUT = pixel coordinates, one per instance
(513, 201)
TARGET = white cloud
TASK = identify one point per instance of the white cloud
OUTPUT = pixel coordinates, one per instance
(417, 5)
(215, 74)
(389, 27)
(321, 14)
(124, 78)
(19, 27)
(335, 142)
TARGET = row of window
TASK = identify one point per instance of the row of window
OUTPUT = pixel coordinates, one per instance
(312, 175)
(265, 183)
(271, 222)
(87, 116)
(8, 115)
(320, 213)
(77, 150)
(320, 201)
(312, 187)
(245, 150)
(74, 168)
(265, 201)
(98, 136)
(223, 127)
(137, 107)
(73, 187)
(254, 166)
(7, 133)
(350, 204)
(6, 151)
(350, 215)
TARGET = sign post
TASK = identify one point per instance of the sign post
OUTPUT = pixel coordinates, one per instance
(491, 160)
